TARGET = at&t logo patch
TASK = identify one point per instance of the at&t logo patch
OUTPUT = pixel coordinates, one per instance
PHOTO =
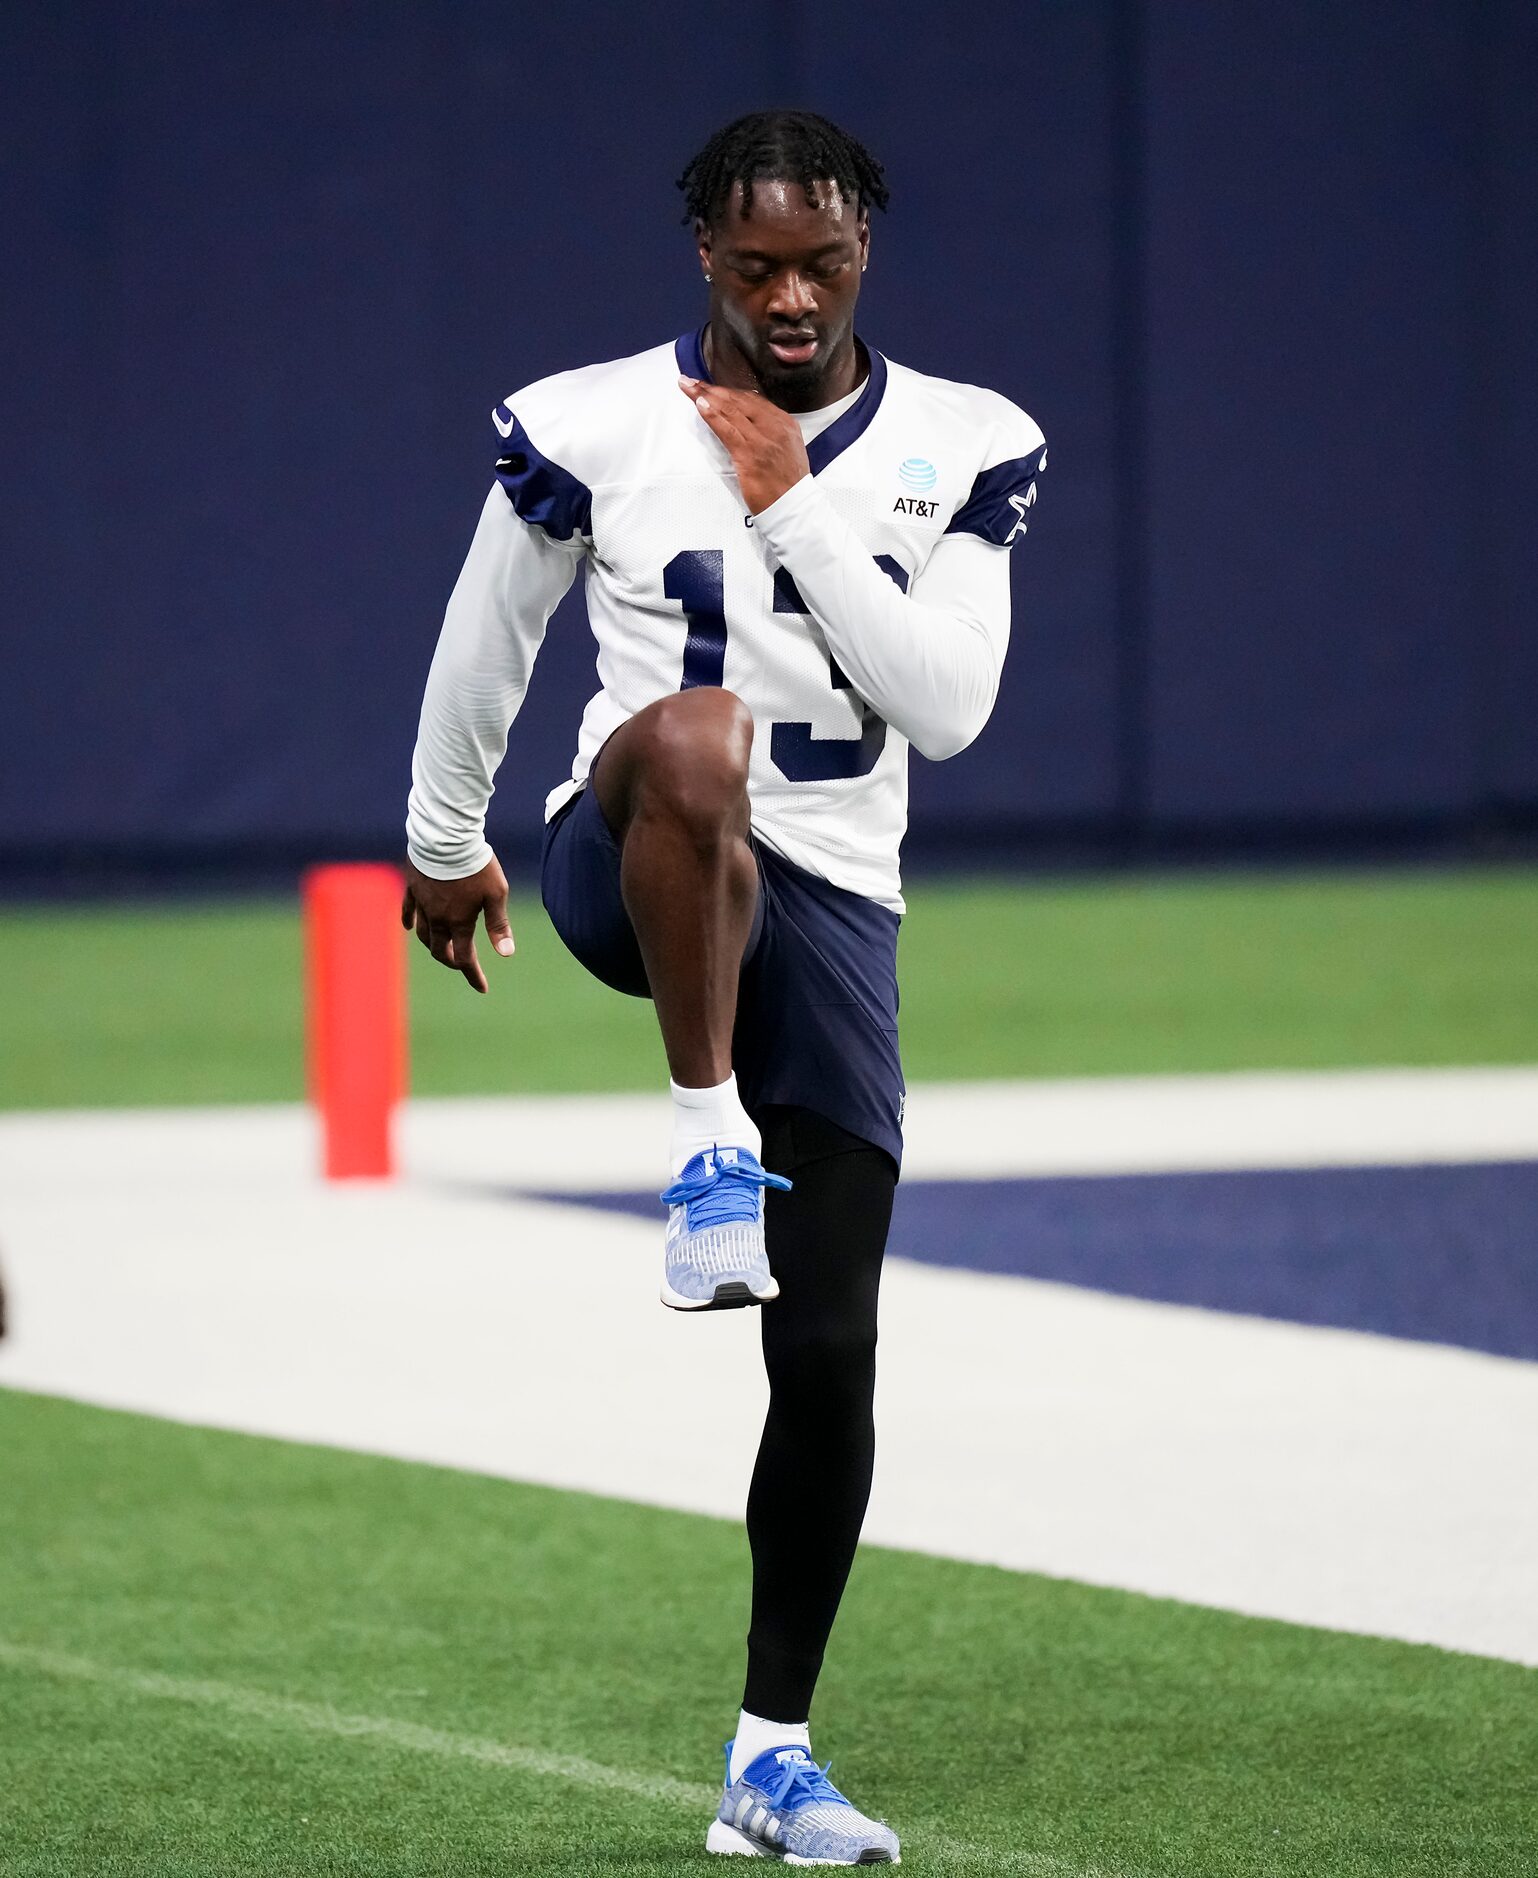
(916, 472)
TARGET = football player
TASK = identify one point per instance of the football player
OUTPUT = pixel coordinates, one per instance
(796, 556)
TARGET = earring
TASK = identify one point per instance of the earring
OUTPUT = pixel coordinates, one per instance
(709, 278)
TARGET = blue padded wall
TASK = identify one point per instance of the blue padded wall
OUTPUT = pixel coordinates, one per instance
(1266, 276)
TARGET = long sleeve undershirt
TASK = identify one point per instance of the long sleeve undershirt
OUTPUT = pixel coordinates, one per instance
(513, 579)
(927, 661)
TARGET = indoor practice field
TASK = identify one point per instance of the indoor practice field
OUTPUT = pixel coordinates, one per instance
(249, 1647)
(986, 561)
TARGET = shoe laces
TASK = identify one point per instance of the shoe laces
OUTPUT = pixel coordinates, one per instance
(800, 1784)
(725, 1197)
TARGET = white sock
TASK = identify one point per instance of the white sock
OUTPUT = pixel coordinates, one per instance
(709, 1118)
(755, 1735)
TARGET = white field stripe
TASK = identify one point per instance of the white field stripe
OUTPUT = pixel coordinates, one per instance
(1007, 1130)
(192, 1266)
(1236, 1120)
(412, 1738)
(955, 1131)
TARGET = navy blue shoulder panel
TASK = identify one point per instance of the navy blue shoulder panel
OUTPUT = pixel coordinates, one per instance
(541, 491)
(689, 350)
(1000, 497)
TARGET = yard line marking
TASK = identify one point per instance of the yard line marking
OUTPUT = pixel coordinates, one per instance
(414, 1738)
(321, 1718)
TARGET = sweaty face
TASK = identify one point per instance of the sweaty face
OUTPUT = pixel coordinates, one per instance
(785, 280)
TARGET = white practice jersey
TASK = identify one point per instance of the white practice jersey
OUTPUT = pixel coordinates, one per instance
(864, 611)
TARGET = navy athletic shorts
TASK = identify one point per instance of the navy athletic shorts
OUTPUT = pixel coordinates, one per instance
(817, 1000)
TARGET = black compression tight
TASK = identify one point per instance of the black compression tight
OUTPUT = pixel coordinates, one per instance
(812, 1478)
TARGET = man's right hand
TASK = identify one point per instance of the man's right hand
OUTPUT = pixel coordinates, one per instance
(443, 913)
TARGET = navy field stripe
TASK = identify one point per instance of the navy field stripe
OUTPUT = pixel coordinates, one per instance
(1434, 1254)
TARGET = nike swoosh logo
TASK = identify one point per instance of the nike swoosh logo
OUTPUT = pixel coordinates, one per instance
(507, 428)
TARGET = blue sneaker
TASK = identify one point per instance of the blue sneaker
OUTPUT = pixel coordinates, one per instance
(715, 1252)
(785, 1807)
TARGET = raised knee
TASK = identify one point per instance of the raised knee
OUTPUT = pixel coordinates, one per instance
(695, 757)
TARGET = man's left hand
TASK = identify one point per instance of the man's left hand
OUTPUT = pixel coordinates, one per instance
(763, 441)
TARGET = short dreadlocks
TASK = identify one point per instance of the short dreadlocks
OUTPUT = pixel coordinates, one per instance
(779, 146)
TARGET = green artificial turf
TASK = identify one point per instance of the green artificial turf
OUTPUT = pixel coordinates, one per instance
(1004, 1722)
(189, 1004)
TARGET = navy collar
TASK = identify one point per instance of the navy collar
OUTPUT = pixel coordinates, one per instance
(689, 350)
